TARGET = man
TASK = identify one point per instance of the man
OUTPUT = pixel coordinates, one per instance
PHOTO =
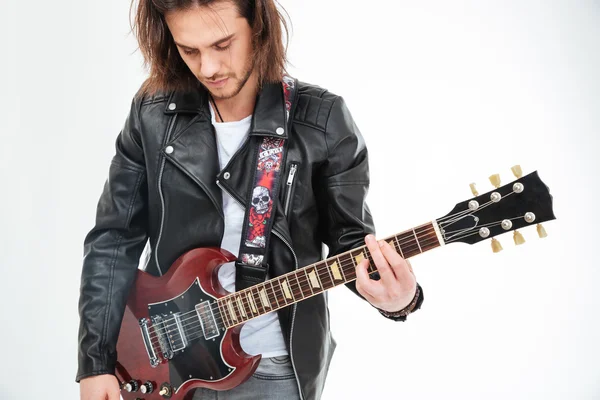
(182, 165)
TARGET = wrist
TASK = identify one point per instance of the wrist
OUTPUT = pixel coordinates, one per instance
(412, 306)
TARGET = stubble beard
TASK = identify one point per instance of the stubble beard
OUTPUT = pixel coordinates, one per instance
(241, 82)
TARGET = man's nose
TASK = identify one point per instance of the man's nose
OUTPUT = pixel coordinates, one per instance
(210, 65)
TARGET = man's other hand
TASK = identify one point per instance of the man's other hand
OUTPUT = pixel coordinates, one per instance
(99, 387)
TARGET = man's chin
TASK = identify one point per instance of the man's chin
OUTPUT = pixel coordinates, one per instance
(221, 94)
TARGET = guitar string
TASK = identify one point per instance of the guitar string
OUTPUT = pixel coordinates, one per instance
(425, 242)
(303, 280)
(404, 244)
(347, 266)
(458, 216)
(198, 333)
(278, 292)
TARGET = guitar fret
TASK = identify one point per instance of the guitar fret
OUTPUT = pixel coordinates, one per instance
(399, 247)
(324, 275)
(231, 310)
(359, 258)
(245, 307)
(429, 239)
(417, 239)
(256, 301)
(223, 314)
(251, 303)
(300, 287)
(341, 268)
(283, 293)
(250, 311)
(408, 247)
(241, 307)
(329, 273)
(308, 281)
(371, 268)
(335, 271)
(285, 288)
(274, 294)
(347, 261)
(263, 297)
(314, 280)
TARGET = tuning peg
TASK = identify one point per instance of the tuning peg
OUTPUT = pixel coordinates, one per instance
(541, 231)
(518, 238)
(496, 246)
(473, 190)
(495, 179)
(517, 171)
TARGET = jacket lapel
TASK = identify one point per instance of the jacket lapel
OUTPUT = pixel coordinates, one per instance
(192, 147)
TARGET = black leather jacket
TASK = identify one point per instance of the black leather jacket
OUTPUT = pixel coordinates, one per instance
(165, 187)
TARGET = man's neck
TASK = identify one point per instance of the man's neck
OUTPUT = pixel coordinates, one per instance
(241, 105)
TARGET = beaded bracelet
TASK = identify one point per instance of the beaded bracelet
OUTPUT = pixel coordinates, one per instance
(406, 310)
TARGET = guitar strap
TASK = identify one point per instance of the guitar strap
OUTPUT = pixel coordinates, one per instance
(251, 266)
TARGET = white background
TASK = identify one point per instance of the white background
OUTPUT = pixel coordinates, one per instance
(445, 92)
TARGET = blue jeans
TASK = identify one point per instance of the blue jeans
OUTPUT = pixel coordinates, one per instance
(274, 379)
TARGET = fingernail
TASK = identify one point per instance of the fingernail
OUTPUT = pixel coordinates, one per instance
(381, 243)
(370, 237)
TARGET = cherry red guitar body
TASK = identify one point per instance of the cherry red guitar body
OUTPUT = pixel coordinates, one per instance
(172, 338)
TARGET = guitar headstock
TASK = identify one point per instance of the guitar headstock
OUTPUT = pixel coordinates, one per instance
(519, 204)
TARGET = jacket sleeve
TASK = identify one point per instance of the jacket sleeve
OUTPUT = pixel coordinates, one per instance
(111, 252)
(344, 213)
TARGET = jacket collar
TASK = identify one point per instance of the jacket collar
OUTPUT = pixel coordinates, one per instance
(269, 112)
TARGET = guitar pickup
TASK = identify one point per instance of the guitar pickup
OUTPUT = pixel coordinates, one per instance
(177, 336)
(207, 320)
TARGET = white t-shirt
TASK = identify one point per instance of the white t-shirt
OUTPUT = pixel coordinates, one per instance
(261, 335)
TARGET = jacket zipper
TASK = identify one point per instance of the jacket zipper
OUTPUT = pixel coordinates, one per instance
(160, 194)
(280, 236)
(289, 186)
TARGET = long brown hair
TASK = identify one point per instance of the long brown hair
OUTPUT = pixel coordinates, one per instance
(168, 71)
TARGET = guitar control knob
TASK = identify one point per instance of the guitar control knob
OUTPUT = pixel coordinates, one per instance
(147, 387)
(131, 386)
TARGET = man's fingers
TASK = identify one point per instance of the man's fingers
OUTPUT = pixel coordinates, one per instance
(398, 264)
(386, 273)
(364, 284)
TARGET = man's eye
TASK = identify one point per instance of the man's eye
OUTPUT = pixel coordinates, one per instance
(222, 48)
(189, 52)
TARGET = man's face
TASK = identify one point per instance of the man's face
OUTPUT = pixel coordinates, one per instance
(216, 45)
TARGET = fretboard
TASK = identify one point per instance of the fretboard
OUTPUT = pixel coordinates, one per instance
(314, 279)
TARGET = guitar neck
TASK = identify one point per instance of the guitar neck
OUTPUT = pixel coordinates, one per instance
(316, 278)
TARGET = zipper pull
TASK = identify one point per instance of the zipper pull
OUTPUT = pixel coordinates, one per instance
(292, 173)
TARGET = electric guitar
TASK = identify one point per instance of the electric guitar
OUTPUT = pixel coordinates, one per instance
(180, 331)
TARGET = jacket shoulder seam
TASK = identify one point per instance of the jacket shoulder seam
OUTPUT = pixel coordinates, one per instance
(316, 106)
(153, 100)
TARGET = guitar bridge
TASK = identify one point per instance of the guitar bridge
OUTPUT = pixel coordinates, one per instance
(170, 334)
(154, 361)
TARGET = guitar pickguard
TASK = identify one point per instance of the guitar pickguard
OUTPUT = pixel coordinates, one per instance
(182, 342)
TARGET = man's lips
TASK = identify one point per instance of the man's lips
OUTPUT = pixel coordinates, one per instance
(218, 83)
